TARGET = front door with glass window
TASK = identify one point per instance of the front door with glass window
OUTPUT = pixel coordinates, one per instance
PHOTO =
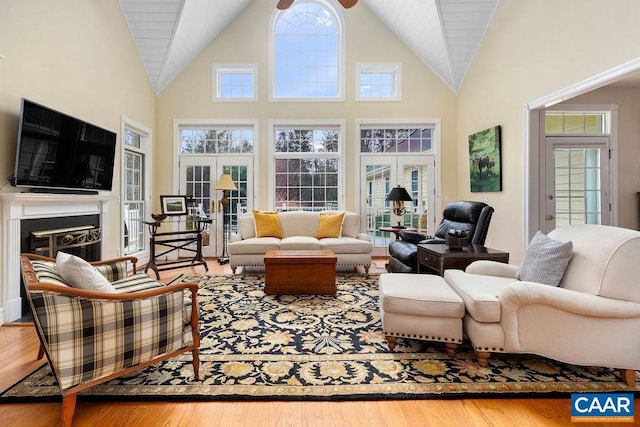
(198, 178)
(577, 181)
(378, 175)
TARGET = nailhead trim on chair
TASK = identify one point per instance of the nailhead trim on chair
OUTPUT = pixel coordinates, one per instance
(421, 337)
(483, 349)
(488, 349)
(337, 265)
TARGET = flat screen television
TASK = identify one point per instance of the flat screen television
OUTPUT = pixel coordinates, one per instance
(60, 153)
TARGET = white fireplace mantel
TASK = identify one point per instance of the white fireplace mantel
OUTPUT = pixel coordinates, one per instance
(19, 206)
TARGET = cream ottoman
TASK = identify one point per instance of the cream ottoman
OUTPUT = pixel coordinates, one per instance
(420, 306)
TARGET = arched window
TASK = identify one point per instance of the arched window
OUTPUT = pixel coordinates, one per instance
(307, 54)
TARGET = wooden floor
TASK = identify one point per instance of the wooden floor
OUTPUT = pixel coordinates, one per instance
(19, 345)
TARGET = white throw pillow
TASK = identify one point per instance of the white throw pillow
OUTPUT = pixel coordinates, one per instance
(78, 273)
(545, 260)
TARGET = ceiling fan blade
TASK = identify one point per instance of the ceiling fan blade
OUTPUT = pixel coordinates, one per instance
(348, 3)
(284, 4)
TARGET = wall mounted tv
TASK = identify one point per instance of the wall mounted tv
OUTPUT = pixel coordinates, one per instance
(60, 153)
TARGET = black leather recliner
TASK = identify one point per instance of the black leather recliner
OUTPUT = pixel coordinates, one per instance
(470, 217)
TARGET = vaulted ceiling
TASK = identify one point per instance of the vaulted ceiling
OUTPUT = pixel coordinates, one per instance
(444, 34)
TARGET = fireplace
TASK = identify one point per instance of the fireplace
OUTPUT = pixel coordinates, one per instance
(78, 235)
(26, 213)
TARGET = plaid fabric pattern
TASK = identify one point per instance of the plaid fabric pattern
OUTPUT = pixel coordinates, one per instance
(113, 272)
(88, 339)
(137, 282)
(142, 282)
(46, 272)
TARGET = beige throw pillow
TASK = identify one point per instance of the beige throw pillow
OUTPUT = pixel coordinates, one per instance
(78, 273)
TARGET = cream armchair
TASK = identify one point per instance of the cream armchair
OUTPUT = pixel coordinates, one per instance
(592, 318)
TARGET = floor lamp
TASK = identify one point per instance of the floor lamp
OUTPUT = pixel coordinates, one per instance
(225, 183)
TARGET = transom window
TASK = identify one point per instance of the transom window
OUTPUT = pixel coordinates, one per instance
(558, 122)
(378, 82)
(132, 139)
(235, 82)
(307, 52)
(396, 139)
(206, 140)
(308, 167)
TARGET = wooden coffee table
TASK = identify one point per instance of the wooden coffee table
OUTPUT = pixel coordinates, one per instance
(300, 272)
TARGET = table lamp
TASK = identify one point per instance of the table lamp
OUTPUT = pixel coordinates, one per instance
(398, 195)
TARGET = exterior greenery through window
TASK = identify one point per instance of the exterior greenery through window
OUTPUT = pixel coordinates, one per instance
(307, 52)
(395, 140)
(198, 185)
(307, 168)
(216, 140)
(400, 153)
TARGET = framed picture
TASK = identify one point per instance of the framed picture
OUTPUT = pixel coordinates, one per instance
(485, 161)
(174, 205)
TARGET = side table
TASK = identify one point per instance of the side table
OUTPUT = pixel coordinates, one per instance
(396, 230)
(436, 258)
(176, 240)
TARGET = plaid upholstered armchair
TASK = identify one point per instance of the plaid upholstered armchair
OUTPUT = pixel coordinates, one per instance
(90, 337)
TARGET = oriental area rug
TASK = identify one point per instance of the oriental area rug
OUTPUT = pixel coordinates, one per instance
(330, 347)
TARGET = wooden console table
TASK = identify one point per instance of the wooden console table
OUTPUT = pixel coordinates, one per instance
(437, 257)
(176, 240)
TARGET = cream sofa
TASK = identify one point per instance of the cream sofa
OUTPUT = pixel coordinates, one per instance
(592, 318)
(352, 248)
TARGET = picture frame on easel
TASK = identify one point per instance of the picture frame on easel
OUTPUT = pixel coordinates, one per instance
(173, 205)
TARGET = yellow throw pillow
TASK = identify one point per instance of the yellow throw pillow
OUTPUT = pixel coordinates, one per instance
(267, 224)
(329, 225)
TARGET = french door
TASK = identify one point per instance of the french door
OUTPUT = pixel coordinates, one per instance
(198, 178)
(378, 175)
(577, 177)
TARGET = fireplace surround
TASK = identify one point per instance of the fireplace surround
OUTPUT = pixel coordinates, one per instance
(19, 207)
